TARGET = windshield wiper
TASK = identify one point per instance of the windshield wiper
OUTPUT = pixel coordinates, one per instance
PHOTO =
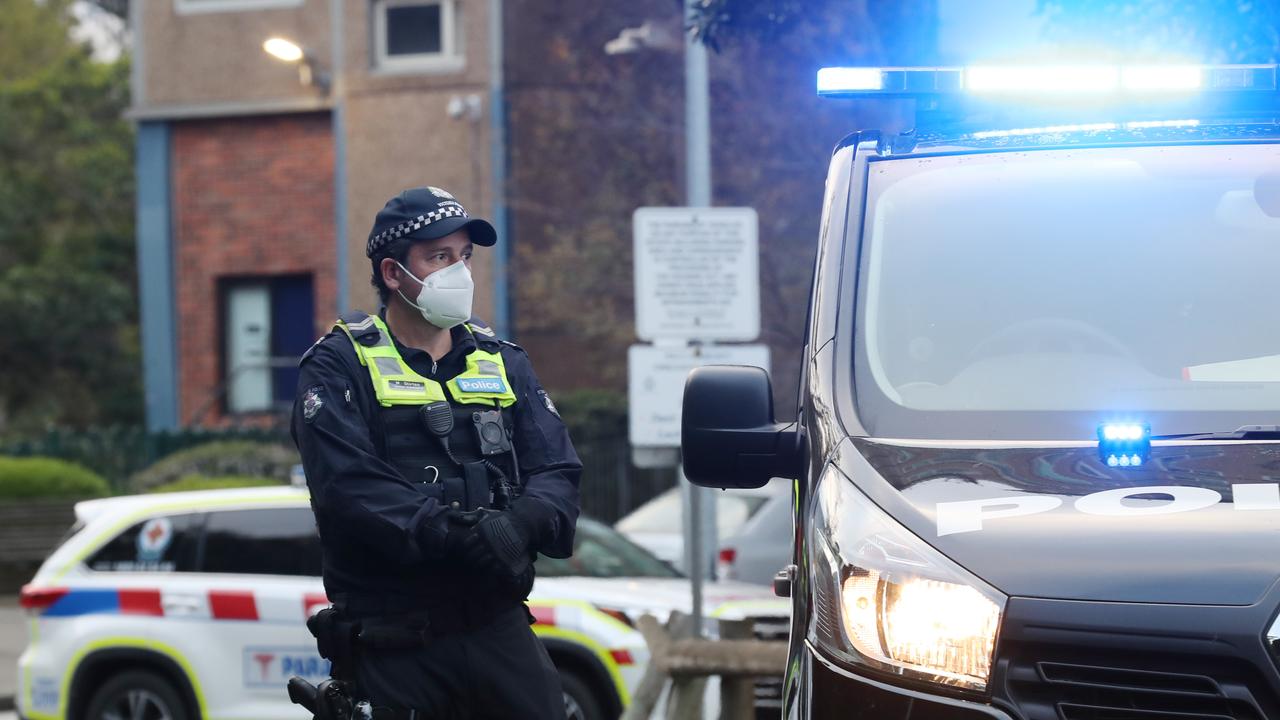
(1247, 432)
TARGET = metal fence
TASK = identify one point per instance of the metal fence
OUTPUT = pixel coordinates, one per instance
(118, 452)
(611, 485)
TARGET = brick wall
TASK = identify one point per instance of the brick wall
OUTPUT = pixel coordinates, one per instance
(251, 197)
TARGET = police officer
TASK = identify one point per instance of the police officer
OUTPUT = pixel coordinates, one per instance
(438, 469)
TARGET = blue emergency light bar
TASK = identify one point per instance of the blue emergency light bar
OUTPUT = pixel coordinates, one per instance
(1046, 80)
(1124, 444)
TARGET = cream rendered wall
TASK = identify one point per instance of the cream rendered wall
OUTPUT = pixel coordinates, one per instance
(211, 58)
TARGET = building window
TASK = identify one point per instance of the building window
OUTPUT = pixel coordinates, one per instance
(267, 326)
(193, 7)
(416, 36)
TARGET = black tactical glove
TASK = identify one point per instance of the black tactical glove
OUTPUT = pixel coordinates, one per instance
(497, 543)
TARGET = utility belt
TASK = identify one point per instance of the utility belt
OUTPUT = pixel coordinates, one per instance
(340, 637)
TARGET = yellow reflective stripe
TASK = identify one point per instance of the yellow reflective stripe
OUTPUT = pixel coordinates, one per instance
(401, 387)
(170, 508)
(343, 327)
(116, 642)
(778, 605)
(596, 649)
(468, 386)
(586, 607)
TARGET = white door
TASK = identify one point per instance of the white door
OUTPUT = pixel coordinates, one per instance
(248, 348)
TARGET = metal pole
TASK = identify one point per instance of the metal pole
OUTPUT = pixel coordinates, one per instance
(693, 545)
(697, 148)
(502, 320)
(338, 88)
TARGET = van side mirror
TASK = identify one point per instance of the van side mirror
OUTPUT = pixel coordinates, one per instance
(728, 436)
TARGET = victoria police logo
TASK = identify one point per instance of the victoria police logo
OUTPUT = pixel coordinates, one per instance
(439, 193)
(481, 385)
(311, 402)
(546, 400)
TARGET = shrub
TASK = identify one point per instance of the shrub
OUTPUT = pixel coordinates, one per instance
(41, 477)
(593, 415)
(204, 482)
(219, 459)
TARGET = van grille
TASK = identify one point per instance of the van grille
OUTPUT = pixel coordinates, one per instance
(1072, 691)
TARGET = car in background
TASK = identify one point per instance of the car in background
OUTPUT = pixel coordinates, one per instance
(192, 605)
(762, 546)
(658, 525)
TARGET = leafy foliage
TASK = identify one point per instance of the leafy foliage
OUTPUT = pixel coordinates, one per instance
(38, 477)
(219, 459)
(204, 482)
(67, 271)
(593, 415)
(1216, 31)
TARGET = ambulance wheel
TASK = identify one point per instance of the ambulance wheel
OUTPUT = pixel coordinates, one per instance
(135, 695)
(579, 702)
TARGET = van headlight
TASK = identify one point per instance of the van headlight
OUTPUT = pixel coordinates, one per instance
(888, 602)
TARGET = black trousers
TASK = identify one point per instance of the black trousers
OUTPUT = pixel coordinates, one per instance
(495, 672)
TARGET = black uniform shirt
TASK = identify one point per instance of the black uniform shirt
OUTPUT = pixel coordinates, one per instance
(368, 514)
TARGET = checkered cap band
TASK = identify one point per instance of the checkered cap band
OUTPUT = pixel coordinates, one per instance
(391, 234)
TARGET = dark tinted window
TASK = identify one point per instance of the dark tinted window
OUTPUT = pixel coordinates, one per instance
(413, 29)
(162, 544)
(271, 541)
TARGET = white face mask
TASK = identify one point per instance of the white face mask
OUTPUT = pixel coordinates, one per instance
(445, 297)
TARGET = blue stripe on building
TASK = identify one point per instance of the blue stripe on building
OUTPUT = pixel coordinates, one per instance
(155, 277)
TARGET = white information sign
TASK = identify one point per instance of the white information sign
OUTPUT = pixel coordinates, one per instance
(697, 273)
(655, 384)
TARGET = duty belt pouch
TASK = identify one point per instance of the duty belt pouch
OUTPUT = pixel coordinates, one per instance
(335, 641)
(476, 476)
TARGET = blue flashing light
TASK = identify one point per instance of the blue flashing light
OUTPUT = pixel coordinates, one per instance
(1124, 444)
(845, 79)
(1048, 80)
(1162, 78)
(1042, 79)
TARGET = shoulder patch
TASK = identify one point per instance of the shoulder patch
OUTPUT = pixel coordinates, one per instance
(312, 401)
(546, 400)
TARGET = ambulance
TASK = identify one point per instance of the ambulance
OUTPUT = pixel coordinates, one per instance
(192, 605)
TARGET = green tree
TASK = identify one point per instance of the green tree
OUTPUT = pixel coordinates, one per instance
(67, 271)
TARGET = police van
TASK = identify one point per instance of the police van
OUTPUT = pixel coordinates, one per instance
(193, 605)
(1037, 457)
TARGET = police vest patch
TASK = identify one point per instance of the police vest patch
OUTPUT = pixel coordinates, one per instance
(311, 402)
(405, 385)
(481, 385)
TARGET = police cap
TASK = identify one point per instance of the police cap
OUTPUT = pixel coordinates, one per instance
(424, 213)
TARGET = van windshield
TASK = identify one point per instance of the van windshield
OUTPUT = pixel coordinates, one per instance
(1036, 294)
